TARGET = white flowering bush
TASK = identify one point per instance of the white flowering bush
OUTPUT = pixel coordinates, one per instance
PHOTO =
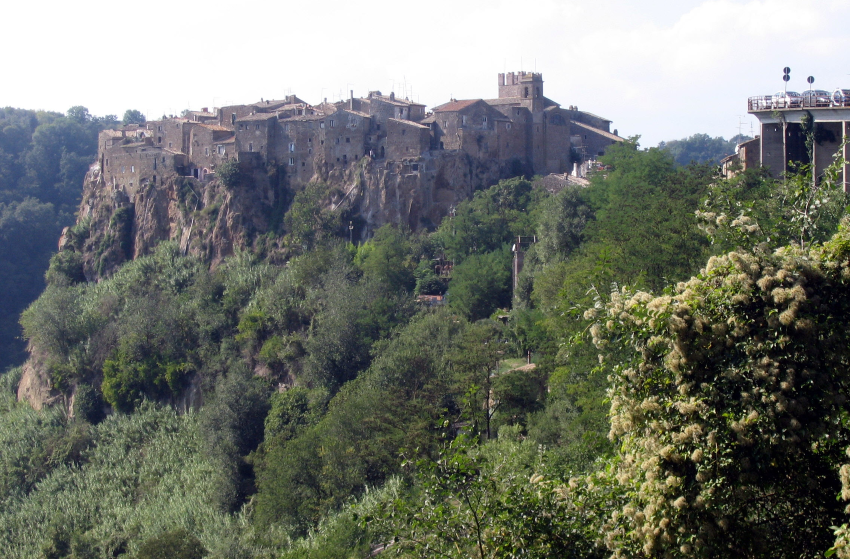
(731, 417)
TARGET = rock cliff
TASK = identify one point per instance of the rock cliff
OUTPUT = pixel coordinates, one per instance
(211, 220)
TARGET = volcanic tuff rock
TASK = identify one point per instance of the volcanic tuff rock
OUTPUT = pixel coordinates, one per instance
(211, 220)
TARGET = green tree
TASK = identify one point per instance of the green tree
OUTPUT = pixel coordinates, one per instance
(729, 415)
(701, 148)
(481, 284)
(133, 116)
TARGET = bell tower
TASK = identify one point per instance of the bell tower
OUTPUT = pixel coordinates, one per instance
(527, 86)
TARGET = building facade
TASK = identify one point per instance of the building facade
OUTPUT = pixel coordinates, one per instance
(520, 129)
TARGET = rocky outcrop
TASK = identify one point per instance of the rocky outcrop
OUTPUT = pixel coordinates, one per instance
(211, 220)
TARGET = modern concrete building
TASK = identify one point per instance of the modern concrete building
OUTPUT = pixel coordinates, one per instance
(782, 143)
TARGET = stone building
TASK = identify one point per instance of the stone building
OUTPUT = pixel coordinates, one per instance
(521, 131)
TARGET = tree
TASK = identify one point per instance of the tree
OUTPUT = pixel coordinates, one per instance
(481, 284)
(386, 258)
(731, 415)
(701, 148)
(133, 116)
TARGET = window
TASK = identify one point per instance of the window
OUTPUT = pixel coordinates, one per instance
(291, 161)
(378, 126)
(303, 164)
(169, 144)
(250, 146)
(403, 131)
(132, 169)
(206, 151)
(292, 146)
(485, 120)
(332, 123)
(159, 128)
(322, 124)
(337, 140)
(310, 140)
(525, 92)
(122, 169)
(309, 150)
(463, 120)
(220, 150)
(258, 127)
(159, 139)
(322, 143)
(348, 140)
(507, 126)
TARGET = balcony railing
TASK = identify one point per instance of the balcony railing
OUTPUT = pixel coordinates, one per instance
(768, 103)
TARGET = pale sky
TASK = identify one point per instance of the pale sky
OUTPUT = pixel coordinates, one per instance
(661, 69)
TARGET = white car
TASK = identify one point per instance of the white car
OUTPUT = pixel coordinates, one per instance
(787, 100)
(816, 98)
(761, 102)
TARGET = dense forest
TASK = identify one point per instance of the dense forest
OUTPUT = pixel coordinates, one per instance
(43, 159)
(702, 148)
(666, 379)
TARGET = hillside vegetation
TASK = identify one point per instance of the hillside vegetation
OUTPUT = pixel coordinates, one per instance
(687, 396)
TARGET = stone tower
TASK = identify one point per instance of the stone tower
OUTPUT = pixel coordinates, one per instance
(527, 86)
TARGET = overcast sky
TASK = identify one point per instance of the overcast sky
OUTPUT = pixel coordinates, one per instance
(661, 69)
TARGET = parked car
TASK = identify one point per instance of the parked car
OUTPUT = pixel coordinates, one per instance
(787, 100)
(816, 98)
(841, 98)
(761, 102)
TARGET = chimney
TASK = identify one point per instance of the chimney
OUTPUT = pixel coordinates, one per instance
(392, 96)
(351, 101)
(205, 110)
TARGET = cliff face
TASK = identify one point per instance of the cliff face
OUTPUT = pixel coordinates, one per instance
(211, 220)
(206, 218)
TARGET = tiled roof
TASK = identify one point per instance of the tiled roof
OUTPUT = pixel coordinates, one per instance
(504, 101)
(257, 117)
(358, 113)
(396, 101)
(230, 140)
(410, 123)
(216, 127)
(601, 132)
(452, 106)
(594, 116)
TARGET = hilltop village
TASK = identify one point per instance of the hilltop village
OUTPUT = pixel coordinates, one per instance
(520, 131)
